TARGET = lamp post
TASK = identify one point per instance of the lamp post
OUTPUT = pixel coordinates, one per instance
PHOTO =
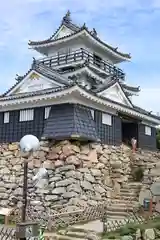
(28, 144)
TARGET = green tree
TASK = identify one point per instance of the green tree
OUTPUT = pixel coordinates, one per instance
(158, 138)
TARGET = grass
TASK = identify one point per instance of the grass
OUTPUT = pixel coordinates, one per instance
(131, 228)
(1, 219)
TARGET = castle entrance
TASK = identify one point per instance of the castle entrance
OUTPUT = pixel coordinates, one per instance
(129, 129)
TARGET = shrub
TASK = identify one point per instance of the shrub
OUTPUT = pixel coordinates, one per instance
(111, 237)
(133, 229)
(128, 230)
(124, 231)
(138, 174)
(157, 225)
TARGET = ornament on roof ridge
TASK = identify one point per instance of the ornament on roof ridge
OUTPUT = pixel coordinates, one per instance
(94, 32)
(67, 17)
(18, 77)
(33, 63)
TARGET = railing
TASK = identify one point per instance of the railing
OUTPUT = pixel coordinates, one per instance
(7, 233)
(84, 56)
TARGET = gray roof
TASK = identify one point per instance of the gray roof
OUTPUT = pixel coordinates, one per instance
(67, 21)
(59, 89)
(112, 81)
(45, 71)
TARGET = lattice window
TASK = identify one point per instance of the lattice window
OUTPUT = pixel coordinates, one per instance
(64, 51)
(6, 117)
(92, 113)
(47, 111)
(106, 119)
(26, 115)
(148, 130)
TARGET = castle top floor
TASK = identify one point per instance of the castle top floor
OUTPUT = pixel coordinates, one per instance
(69, 38)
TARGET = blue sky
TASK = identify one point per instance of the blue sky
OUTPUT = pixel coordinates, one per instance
(132, 25)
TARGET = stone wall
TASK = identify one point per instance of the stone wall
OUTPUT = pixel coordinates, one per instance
(150, 162)
(78, 174)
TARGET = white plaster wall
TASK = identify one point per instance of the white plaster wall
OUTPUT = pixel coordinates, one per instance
(64, 31)
(76, 44)
(37, 84)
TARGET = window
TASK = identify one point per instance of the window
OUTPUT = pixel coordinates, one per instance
(97, 60)
(106, 119)
(6, 117)
(64, 51)
(92, 113)
(26, 115)
(148, 131)
(47, 111)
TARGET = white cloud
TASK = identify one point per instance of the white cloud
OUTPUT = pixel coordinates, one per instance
(149, 99)
(122, 23)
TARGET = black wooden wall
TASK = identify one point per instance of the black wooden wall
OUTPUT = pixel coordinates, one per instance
(112, 135)
(145, 141)
(15, 130)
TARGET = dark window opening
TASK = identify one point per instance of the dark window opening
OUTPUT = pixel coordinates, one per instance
(129, 131)
(68, 68)
(97, 60)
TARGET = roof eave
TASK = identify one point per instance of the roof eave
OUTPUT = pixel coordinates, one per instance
(83, 93)
(46, 43)
(61, 79)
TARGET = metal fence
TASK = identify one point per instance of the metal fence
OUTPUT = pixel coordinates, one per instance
(7, 233)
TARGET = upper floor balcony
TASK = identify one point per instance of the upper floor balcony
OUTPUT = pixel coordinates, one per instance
(81, 56)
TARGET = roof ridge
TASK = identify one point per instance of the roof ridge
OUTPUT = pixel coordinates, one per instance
(126, 86)
(64, 22)
(114, 49)
(51, 71)
(39, 67)
(50, 90)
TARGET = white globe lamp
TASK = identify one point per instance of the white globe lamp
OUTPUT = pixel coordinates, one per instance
(29, 143)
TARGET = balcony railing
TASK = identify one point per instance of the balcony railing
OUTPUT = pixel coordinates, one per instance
(82, 55)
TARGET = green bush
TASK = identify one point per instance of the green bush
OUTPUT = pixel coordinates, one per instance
(1, 219)
(111, 237)
(138, 174)
(158, 138)
(124, 231)
(133, 229)
(157, 225)
(128, 230)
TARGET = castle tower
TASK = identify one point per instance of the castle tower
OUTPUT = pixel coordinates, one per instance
(76, 90)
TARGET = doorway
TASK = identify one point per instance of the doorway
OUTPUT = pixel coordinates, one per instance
(129, 130)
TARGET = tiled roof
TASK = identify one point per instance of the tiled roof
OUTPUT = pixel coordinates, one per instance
(112, 82)
(83, 65)
(103, 87)
(50, 40)
(50, 73)
(68, 23)
(42, 69)
(106, 85)
(139, 109)
(35, 93)
(130, 88)
(59, 89)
